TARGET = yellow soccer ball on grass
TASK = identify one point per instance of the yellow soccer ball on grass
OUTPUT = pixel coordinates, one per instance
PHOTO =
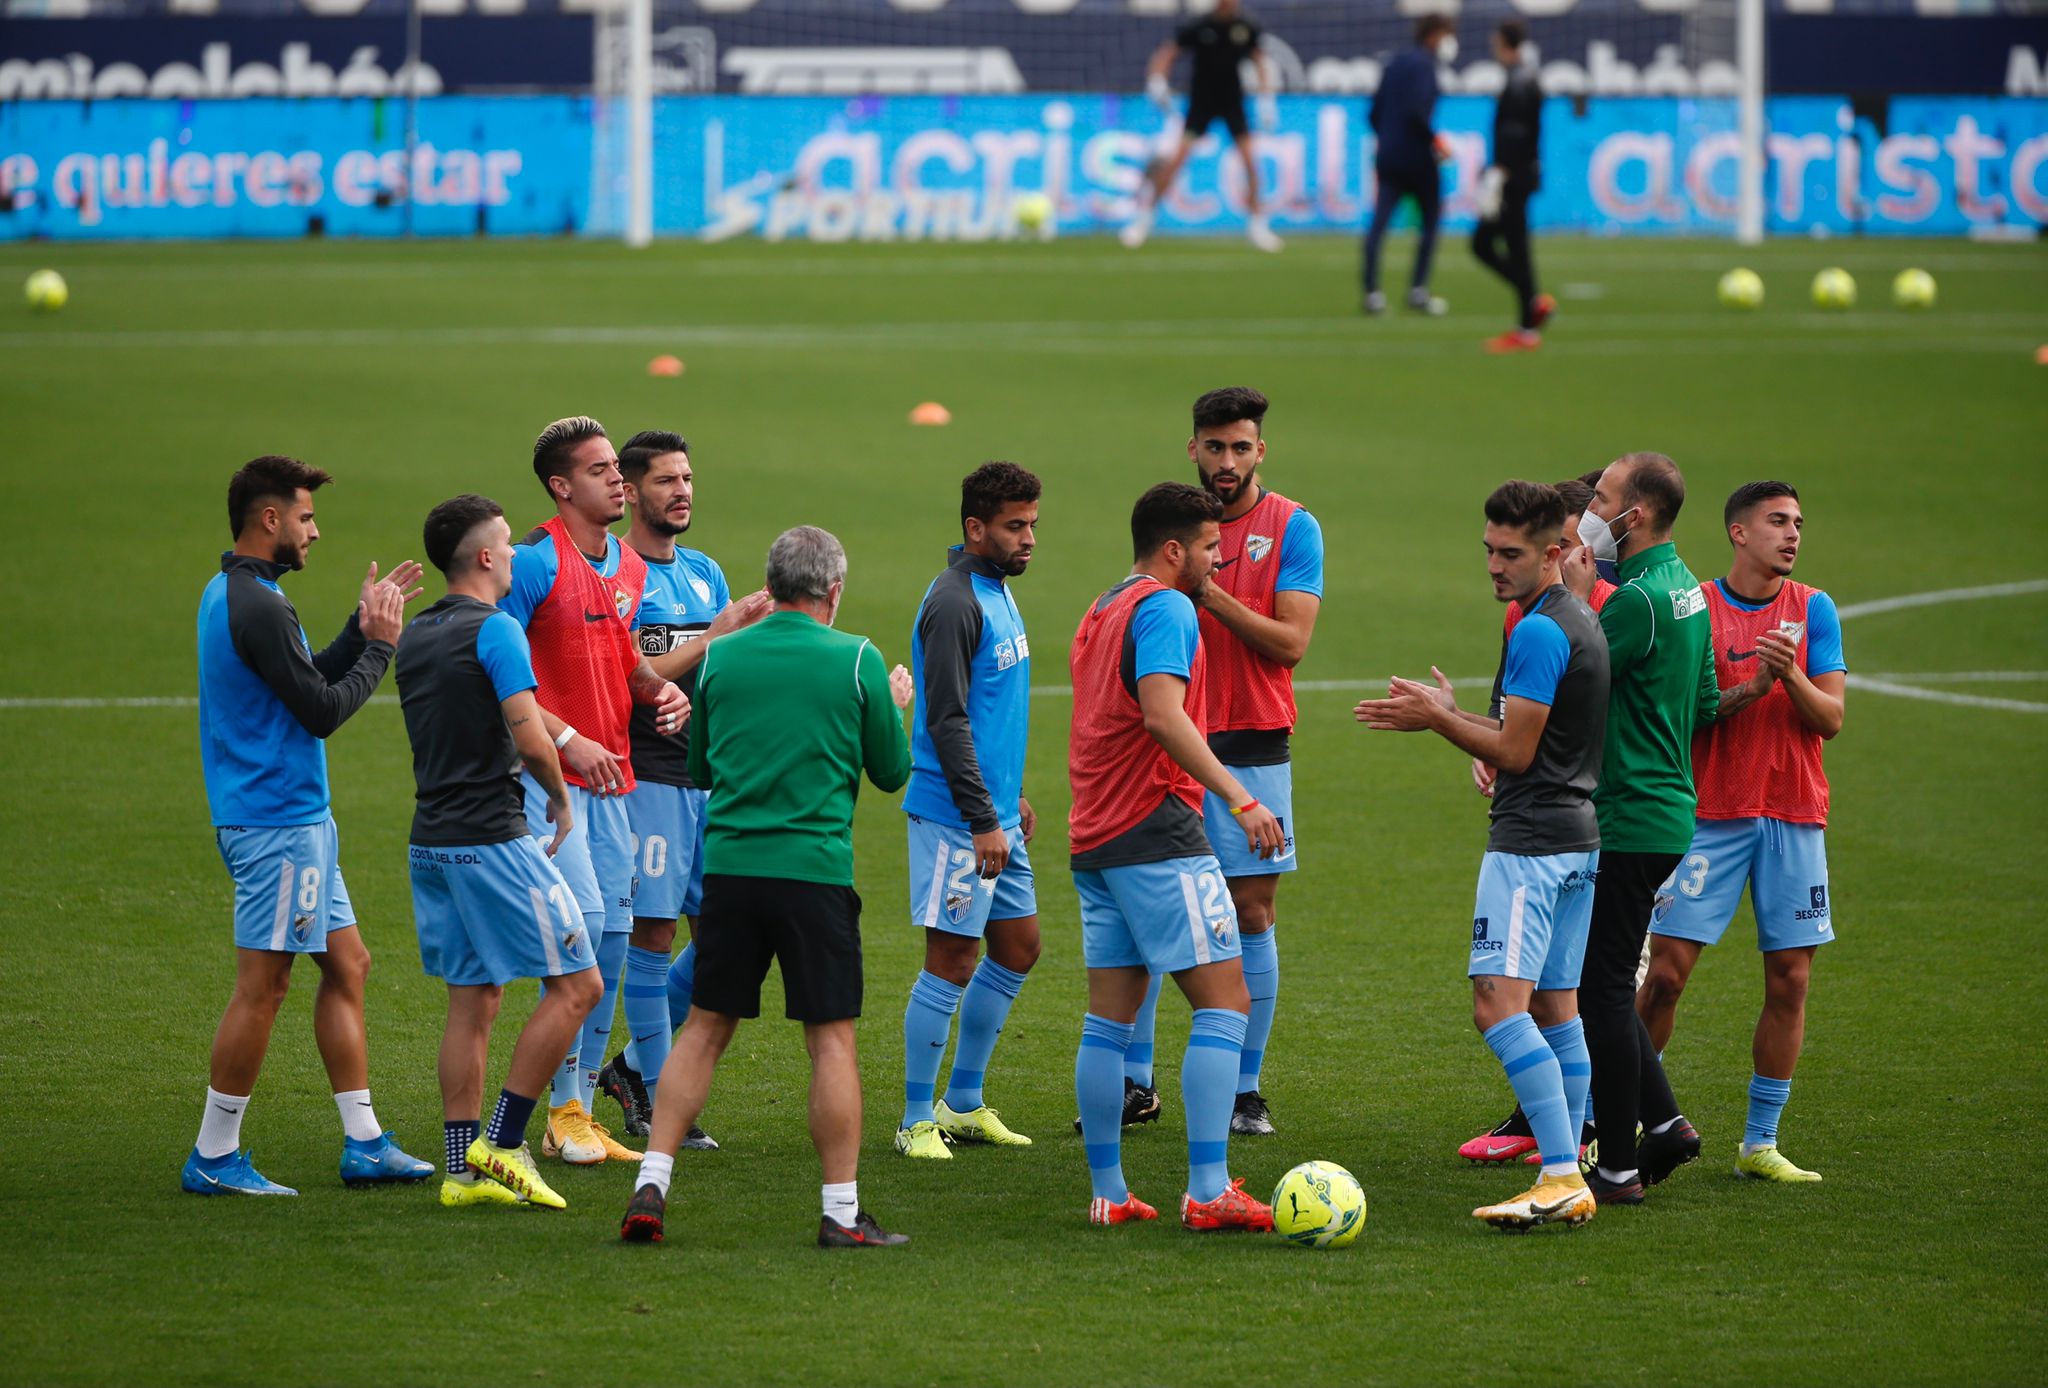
(1834, 289)
(46, 291)
(1318, 1205)
(1913, 289)
(1741, 288)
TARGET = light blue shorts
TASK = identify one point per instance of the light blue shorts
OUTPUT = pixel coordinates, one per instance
(288, 889)
(1785, 867)
(496, 912)
(1532, 915)
(668, 849)
(945, 892)
(1163, 917)
(597, 858)
(1271, 786)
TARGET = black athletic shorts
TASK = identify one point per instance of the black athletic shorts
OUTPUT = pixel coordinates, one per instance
(1204, 110)
(811, 929)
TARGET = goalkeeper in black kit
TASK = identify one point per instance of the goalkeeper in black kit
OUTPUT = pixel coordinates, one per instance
(1501, 240)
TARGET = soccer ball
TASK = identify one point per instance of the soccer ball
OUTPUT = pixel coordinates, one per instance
(1033, 211)
(46, 291)
(1318, 1205)
(1834, 289)
(1741, 289)
(1913, 289)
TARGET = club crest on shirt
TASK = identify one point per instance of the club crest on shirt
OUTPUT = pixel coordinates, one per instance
(622, 601)
(1689, 602)
(1257, 547)
(702, 589)
(1006, 654)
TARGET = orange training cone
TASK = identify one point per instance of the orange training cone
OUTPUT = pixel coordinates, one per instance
(931, 412)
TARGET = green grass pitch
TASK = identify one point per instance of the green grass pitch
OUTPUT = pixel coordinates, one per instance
(414, 372)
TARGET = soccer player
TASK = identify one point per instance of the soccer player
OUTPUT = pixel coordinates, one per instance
(1763, 804)
(1662, 686)
(790, 714)
(1512, 1138)
(1153, 896)
(969, 823)
(266, 705)
(486, 899)
(1258, 613)
(576, 591)
(1506, 187)
(1535, 897)
(1406, 157)
(1219, 41)
(684, 607)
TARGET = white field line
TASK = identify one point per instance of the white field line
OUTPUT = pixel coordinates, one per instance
(1891, 682)
(1833, 334)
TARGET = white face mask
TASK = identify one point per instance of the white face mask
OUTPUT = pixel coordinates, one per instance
(1598, 535)
(1447, 51)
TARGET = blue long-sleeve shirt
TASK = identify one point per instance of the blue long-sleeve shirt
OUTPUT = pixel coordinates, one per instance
(1401, 112)
(266, 701)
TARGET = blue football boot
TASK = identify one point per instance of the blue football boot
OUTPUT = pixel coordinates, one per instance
(379, 1159)
(228, 1175)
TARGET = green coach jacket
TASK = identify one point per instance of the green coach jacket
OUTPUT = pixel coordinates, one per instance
(1660, 648)
(788, 714)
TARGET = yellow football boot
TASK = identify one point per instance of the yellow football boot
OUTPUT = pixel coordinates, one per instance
(1562, 1200)
(983, 1124)
(513, 1168)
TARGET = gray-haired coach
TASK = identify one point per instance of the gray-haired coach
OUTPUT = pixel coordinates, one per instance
(789, 713)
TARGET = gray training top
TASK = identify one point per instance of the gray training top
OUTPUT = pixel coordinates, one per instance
(1556, 655)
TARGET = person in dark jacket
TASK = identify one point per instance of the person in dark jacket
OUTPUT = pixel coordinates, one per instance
(1407, 158)
(1501, 240)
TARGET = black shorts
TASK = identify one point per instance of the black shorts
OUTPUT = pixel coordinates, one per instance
(1205, 109)
(811, 929)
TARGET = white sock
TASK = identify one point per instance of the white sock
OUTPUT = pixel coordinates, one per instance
(657, 1169)
(220, 1129)
(1619, 1178)
(1560, 1168)
(1668, 1124)
(842, 1203)
(358, 1119)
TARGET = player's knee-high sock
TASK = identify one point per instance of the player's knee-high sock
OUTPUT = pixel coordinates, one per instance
(459, 1132)
(646, 994)
(1567, 1042)
(1208, 1089)
(1533, 1070)
(1138, 1058)
(1099, 1087)
(569, 1076)
(1766, 1102)
(597, 1027)
(982, 1013)
(1262, 981)
(927, 1022)
(509, 1119)
(682, 980)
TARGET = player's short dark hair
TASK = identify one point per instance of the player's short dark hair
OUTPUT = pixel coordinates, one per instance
(272, 477)
(1513, 33)
(1228, 406)
(1576, 493)
(1430, 25)
(1530, 507)
(1656, 485)
(1750, 495)
(450, 523)
(556, 442)
(643, 448)
(992, 486)
(1170, 511)
(1592, 479)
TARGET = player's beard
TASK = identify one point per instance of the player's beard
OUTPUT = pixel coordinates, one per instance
(1246, 481)
(1015, 564)
(291, 556)
(662, 525)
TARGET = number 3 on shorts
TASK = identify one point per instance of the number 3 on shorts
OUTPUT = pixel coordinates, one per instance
(1695, 869)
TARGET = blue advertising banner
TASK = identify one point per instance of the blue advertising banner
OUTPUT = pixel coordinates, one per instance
(259, 167)
(954, 168)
